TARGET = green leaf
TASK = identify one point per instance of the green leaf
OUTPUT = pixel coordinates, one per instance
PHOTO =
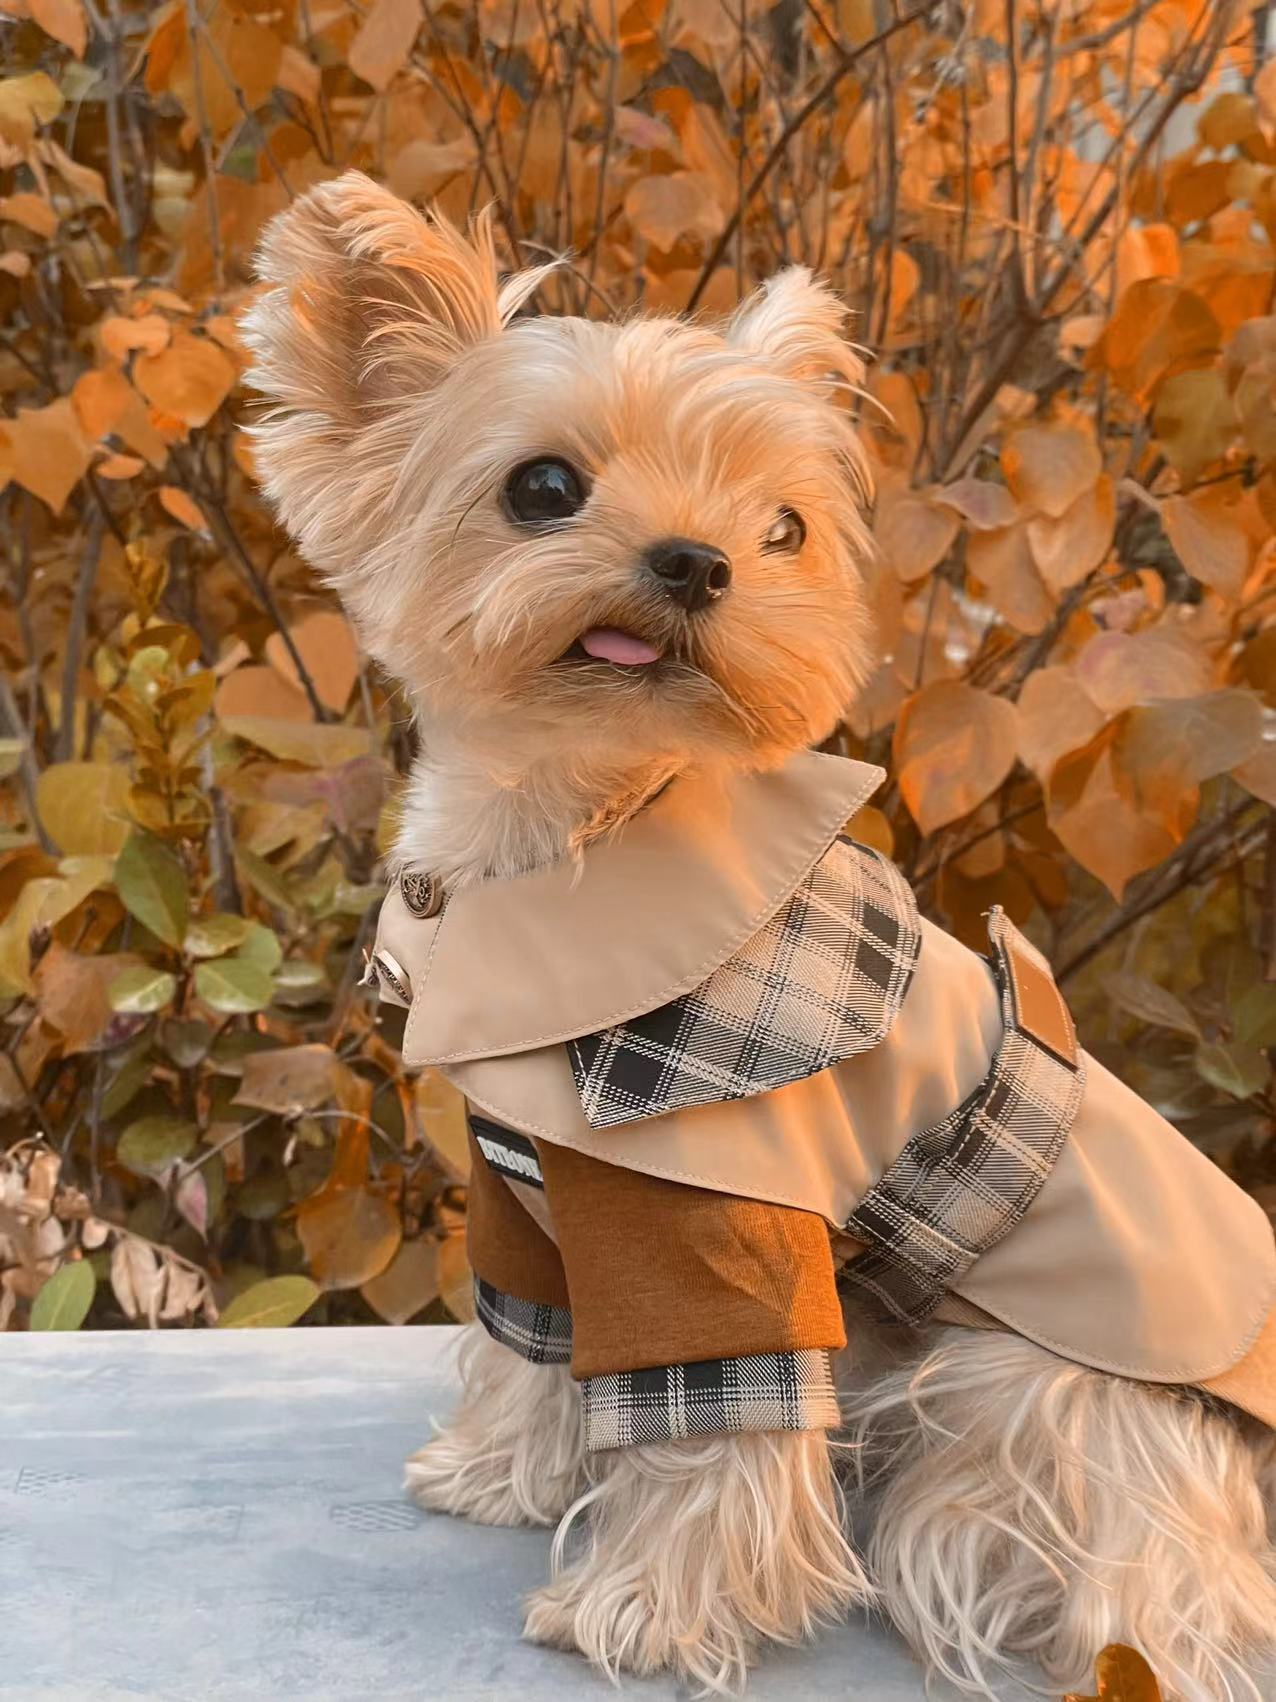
(63, 1303)
(261, 945)
(1254, 1016)
(235, 985)
(210, 936)
(186, 1043)
(1151, 1003)
(273, 1304)
(151, 1144)
(142, 989)
(152, 883)
(1235, 1069)
(265, 879)
(300, 973)
(323, 745)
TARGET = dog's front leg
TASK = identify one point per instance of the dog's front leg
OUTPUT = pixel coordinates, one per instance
(513, 1452)
(687, 1555)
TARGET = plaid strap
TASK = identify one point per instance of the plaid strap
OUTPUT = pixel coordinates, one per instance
(821, 982)
(957, 1189)
(763, 1391)
(539, 1333)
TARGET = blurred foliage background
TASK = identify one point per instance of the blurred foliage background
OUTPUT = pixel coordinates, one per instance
(1053, 221)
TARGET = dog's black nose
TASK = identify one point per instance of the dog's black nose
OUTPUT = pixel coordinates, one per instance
(694, 575)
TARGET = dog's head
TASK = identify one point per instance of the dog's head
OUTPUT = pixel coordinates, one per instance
(638, 537)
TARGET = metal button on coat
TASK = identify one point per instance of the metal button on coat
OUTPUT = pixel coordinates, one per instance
(422, 892)
(392, 972)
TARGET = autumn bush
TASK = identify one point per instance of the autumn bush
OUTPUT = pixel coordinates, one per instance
(1053, 223)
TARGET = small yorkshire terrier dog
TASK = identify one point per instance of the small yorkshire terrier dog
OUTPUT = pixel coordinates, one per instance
(610, 561)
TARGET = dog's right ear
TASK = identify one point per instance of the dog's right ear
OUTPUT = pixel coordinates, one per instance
(370, 305)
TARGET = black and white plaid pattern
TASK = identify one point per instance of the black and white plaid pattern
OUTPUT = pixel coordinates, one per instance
(957, 1189)
(763, 1391)
(822, 981)
(541, 1334)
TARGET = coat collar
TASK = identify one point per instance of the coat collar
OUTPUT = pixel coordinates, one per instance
(639, 919)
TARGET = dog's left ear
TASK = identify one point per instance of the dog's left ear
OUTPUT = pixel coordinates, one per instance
(796, 322)
(370, 306)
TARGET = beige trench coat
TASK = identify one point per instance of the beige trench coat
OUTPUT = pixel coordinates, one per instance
(1137, 1255)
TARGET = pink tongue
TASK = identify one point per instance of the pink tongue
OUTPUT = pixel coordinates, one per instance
(609, 644)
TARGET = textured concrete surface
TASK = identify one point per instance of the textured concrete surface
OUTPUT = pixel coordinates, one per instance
(199, 1517)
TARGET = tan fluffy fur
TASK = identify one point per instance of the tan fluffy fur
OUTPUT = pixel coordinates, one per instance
(685, 1556)
(513, 1452)
(1027, 1506)
(402, 394)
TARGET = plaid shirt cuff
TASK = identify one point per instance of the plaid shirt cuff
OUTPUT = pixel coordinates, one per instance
(539, 1333)
(762, 1391)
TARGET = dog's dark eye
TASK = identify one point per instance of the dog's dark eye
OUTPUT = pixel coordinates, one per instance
(541, 492)
(787, 534)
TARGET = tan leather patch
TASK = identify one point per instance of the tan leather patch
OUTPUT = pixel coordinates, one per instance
(1039, 1007)
(1251, 1383)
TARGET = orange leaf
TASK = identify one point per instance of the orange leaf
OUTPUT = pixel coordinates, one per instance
(328, 650)
(64, 20)
(1208, 539)
(1092, 808)
(914, 534)
(350, 1235)
(905, 277)
(182, 507)
(1049, 466)
(1157, 323)
(1195, 420)
(291, 1079)
(298, 74)
(707, 148)
(1002, 562)
(954, 745)
(30, 211)
(107, 404)
(1070, 547)
(981, 503)
(72, 993)
(665, 208)
(1118, 669)
(381, 48)
(1146, 251)
(121, 336)
(46, 451)
(1122, 1675)
(189, 380)
(1056, 715)
(1184, 741)
(408, 1283)
(256, 691)
(119, 466)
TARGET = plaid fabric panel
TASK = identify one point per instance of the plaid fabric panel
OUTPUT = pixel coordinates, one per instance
(957, 1189)
(763, 1391)
(822, 981)
(541, 1334)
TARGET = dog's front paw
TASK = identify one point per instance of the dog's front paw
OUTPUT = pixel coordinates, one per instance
(619, 1625)
(475, 1478)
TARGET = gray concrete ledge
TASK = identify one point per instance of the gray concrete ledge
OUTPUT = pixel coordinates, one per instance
(196, 1517)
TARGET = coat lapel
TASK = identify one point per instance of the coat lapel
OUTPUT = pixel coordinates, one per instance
(636, 921)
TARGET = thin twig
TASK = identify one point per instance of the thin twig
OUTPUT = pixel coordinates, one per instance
(77, 626)
(776, 152)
